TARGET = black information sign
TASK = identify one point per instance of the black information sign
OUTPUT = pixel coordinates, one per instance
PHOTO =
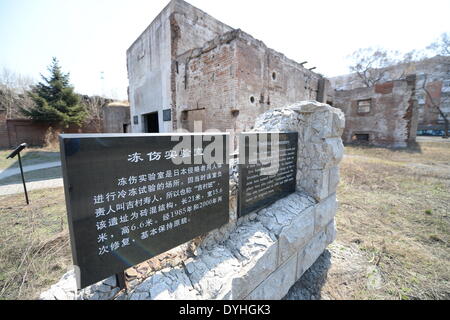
(127, 200)
(167, 114)
(267, 169)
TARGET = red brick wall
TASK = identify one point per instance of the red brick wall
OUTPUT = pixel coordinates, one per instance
(390, 121)
(234, 78)
(205, 89)
(33, 133)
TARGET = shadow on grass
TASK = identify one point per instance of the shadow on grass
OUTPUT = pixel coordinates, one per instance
(413, 147)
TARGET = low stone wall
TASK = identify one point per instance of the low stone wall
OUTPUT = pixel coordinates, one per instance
(261, 255)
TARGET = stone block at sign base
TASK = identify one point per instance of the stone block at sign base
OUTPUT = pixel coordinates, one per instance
(333, 176)
(169, 283)
(212, 272)
(330, 231)
(325, 212)
(277, 285)
(334, 149)
(296, 234)
(315, 182)
(310, 253)
(257, 251)
(338, 123)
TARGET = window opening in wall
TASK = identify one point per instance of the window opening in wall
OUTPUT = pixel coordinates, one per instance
(274, 76)
(252, 99)
(363, 106)
(360, 137)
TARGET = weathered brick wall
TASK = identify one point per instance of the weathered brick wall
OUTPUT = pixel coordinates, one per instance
(206, 85)
(34, 133)
(267, 79)
(233, 78)
(391, 120)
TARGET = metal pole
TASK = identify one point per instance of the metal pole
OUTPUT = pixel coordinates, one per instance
(121, 280)
(23, 179)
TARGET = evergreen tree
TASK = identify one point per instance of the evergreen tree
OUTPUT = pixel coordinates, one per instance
(55, 99)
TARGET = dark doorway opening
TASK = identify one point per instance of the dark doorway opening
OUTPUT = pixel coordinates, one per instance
(361, 137)
(151, 122)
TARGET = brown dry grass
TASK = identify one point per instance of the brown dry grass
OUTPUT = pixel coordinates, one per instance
(398, 213)
(34, 249)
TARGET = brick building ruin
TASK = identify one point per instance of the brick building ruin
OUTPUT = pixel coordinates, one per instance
(383, 115)
(188, 66)
(432, 73)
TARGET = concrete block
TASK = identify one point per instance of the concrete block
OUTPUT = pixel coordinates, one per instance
(277, 285)
(257, 251)
(212, 273)
(333, 176)
(296, 234)
(255, 273)
(335, 151)
(315, 183)
(310, 253)
(325, 212)
(330, 231)
(338, 123)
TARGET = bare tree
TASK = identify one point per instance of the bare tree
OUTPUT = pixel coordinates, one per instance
(94, 106)
(370, 64)
(436, 104)
(441, 46)
(13, 92)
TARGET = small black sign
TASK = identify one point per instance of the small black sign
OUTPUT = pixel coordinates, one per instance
(267, 169)
(167, 115)
(127, 201)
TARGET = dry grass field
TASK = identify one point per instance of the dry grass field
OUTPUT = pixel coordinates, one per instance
(34, 246)
(393, 230)
(395, 208)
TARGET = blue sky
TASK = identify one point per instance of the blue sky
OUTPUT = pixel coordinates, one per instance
(91, 36)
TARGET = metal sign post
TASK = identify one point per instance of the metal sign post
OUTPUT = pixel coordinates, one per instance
(12, 155)
(121, 280)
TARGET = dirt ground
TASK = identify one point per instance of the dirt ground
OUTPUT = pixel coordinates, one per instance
(393, 227)
(393, 232)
